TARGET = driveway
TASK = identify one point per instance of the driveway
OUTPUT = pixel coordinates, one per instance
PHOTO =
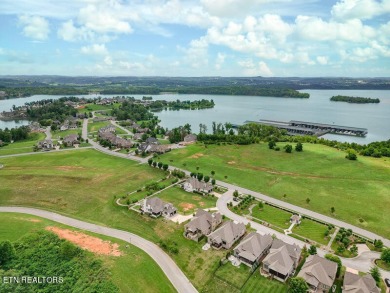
(168, 266)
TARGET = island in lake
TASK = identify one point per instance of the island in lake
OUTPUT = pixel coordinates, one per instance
(354, 100)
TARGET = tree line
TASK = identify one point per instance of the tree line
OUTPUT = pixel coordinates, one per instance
(14, 134)
(177, 105)
(354, 100)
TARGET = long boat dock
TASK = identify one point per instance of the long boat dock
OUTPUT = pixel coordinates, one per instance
(309, 128)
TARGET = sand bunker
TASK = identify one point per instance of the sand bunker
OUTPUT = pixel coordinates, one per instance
(90, 243)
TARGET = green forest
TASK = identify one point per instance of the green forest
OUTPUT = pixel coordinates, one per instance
(354, 100)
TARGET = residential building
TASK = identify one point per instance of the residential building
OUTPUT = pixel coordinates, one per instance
(202, 224)
(319, 273)
(152, 140)
(282, 260)
(253, 248)
(46, 144)
(155, 208)
(71, 140)
(137, 136)
(193, 184)
(154, 148)
(354, 283)
(189, 139)
(108, 128)
(226, 235)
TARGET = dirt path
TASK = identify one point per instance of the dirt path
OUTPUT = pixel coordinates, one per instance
(87, 242)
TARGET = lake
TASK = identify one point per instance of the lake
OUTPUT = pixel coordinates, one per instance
(237, 109)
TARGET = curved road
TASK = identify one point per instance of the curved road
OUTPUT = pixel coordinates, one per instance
(168, 266)
(300, 210)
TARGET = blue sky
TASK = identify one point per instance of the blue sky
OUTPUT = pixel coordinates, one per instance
(195, 38)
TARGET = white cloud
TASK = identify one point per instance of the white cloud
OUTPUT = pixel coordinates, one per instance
(360, 9)
(94, 49)
(103, 19)
(220, 60)
(323, 60)
(35, 27)
(253, 69)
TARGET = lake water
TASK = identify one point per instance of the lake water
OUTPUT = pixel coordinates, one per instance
(237, 109)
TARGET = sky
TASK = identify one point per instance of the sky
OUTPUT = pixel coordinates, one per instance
(285, 38)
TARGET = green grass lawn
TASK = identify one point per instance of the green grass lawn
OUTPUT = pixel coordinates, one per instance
(94, 107)
(312, 230)
(272, 215)
(84, 184)
(383, 265)
(186, 202)
(62, 134)
(235, 276)
(258, 283)
(24, 146)
(357, 189)
(139, 270)
(95, 126)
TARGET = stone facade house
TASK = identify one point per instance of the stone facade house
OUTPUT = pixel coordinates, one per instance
(282, 260)
(193, 184)
(226, 235)
(155, 208)
(46, 144)
(202, 224)
(253, 248)
(189, 139)
(319, 273)
(70, 140)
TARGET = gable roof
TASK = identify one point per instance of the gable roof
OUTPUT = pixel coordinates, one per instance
(253, 245)
(196, 184)
(156, 204)
(203, 221)
(318, 270)
(293, 250)
(279, 260)
(71, 138)
(359, 284)
(190, 137)
(227, 232)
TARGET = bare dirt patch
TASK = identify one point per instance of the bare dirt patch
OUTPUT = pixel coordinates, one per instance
(196, 156)
(231, 162)
(90, 243)
(202, 204)
(186, 206)
(196, 197)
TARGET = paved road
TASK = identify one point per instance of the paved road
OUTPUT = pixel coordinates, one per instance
(99, 148)
(362, 263)
(48, 132)
(168, 266)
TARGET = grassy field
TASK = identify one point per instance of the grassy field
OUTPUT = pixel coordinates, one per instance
(94, 107)
(356, 189)
(24, 146)
(272, 215)
(258, 283)
(84, 184)
(59, 133)
(186, 202)
(95, 126)
(235, 276)
(312, 230)
(139, 270)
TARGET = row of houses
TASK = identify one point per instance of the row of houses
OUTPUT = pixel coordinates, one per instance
(70, 140)
(278, 258)
(107, 134)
